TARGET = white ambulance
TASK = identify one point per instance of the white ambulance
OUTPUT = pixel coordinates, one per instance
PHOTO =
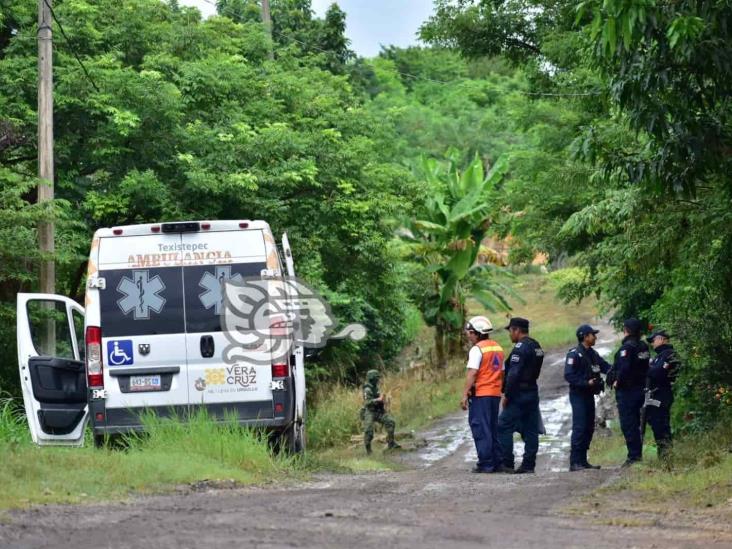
(151, 338)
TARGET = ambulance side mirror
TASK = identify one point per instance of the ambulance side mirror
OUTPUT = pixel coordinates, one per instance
(311, 353)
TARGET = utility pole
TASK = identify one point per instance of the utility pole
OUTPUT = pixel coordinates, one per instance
(45, 168)
(45, 140)
(267, 20)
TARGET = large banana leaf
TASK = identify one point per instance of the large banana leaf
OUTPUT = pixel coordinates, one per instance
(460, 263)
(445, 237)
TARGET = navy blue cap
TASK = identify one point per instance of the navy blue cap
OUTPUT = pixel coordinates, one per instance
(585, 329)
(518, 322)
(633, 325)
(657, 333)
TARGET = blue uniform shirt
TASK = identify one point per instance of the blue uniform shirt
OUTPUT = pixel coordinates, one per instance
(523, 366)
(581, 365)
(663, 368)
(631, 363)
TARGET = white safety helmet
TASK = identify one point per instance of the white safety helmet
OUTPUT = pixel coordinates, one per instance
(479, 324)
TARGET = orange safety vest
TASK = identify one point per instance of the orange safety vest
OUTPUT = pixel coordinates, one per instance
(490, 374)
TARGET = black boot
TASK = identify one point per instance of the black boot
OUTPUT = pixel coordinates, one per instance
(524, 469)
(588, 465)
(392, 445)
(574, 467)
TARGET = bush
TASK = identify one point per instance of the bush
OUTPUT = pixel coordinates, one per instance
(13, 425)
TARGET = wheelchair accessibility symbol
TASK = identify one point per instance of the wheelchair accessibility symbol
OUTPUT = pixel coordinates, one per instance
(119, 353)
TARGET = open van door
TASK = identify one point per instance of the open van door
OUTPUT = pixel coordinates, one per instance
(299, 367)
(52, 374)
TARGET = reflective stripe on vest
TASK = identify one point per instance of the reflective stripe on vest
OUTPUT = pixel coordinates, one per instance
(490, 374)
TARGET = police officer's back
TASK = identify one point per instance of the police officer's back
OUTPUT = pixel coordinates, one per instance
(628, 376)
(521, 396)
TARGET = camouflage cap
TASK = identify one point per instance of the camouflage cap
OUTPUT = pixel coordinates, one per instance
(373, 375)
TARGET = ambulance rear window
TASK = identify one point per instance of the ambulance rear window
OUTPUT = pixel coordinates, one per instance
(142, 302)
(204, 292)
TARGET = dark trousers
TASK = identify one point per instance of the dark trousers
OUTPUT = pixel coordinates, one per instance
(483, 420)
(583, 424)
(630, 402)
(659, 418)
(521, 415)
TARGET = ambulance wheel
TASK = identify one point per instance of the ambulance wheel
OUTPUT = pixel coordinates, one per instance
(292, 439)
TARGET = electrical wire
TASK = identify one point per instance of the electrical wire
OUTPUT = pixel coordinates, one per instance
(71, 47)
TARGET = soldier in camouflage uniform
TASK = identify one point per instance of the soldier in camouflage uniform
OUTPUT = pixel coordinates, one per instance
(373, 411)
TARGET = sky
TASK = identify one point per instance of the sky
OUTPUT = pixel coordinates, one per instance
(369, 23)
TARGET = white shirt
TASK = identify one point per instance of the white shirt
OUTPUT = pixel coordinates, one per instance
(475, 356)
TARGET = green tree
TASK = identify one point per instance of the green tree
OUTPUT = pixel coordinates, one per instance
(445, 238)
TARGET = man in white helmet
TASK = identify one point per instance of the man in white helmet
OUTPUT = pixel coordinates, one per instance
(482, 393)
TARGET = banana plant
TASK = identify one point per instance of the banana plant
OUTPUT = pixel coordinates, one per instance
(446, 238)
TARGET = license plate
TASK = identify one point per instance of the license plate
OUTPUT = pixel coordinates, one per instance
(145, 383)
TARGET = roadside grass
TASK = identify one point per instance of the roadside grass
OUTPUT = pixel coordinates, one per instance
(697, 474)
(413, 397)
(171, 454)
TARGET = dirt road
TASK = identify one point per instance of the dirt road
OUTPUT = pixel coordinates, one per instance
(437, 502)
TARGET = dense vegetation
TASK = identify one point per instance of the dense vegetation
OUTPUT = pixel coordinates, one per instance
(181, 117)
(603, 127)
(634, 188)
(184, 118)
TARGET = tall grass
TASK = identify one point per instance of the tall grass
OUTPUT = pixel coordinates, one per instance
(13, 426)
(414, 398)
(169, 454)
(698, 471)
(335, 417)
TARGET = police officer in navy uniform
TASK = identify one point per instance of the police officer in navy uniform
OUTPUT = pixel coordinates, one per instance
(629, 379)
(520, 400)
(661, 375)
(582, 369)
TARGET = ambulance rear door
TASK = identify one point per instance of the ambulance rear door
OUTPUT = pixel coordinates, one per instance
(227, 386)
(142, 324)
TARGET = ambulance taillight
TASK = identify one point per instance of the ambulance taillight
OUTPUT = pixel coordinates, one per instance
(94, 372)
(280, 370)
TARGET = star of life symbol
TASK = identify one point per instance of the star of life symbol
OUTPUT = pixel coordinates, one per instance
(265, 318)
(214, 286)
(141, 294)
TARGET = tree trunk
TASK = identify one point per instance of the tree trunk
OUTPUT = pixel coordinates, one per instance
(455, 342)
(440, 346)
(456, 336)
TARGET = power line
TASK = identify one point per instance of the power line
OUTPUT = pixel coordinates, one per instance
(579, 94)
(71, 47)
